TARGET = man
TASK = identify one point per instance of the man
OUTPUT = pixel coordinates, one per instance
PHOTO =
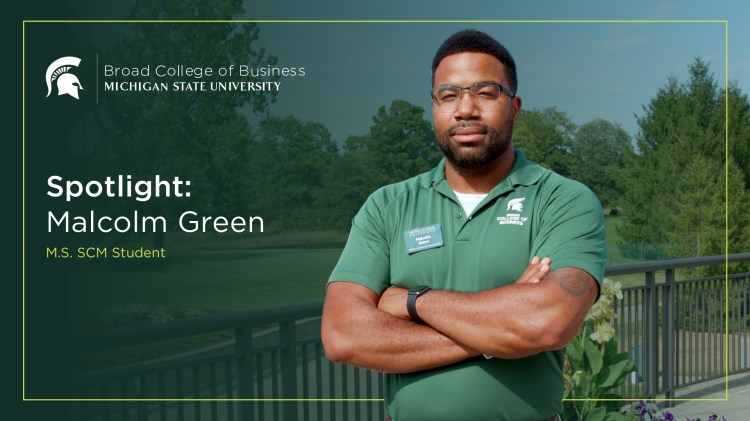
(439, 284)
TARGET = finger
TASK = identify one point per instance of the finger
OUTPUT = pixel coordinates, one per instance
(535, 271)
(530, 272)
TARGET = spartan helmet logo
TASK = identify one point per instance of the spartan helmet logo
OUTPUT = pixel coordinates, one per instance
(67, 83)
(516, 205)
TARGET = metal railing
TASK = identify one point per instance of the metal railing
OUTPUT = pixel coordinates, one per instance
(685, 331)
(270, 363)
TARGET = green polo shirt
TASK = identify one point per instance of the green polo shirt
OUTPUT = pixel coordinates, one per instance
(416, 233)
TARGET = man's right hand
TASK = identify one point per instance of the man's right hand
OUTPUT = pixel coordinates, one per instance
(535, 271)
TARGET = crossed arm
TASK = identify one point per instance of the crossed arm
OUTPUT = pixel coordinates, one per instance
(542, 311)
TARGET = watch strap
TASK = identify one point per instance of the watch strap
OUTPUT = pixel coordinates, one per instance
(411, 302)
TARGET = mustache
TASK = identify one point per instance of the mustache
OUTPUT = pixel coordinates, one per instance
(466, 125)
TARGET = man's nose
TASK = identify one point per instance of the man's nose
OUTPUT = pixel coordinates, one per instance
(467, 108)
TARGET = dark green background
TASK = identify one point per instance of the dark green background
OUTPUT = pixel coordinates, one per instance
(54, 136)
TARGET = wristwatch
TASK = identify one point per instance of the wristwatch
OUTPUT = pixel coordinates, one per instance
(411, 302)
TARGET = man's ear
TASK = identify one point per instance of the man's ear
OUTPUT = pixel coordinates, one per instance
(516, 105)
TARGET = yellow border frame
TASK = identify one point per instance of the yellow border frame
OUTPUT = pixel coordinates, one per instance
(23, 203)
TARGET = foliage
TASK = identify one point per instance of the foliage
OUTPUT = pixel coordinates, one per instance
(399, 145)
(675, 185)
(697, 225)
(599, 151)
(199, 136)
(287, 166)
(593, 365)
(738, 120)
(546, 137)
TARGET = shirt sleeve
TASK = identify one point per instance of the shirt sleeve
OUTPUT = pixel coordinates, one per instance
(572, 229)
(366, 256)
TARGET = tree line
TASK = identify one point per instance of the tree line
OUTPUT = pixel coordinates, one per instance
(677, 188)
(674, 185)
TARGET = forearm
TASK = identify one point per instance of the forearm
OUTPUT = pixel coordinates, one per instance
(355, 332)
(498, 322)
(516, 320)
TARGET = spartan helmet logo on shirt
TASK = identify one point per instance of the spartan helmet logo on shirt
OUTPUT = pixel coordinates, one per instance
(67, 83)
(516, 205)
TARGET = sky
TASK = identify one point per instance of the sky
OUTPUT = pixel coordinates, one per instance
(588, 70)
(585, 69)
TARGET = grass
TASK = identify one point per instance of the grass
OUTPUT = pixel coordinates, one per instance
(223, 274)
(214, 281)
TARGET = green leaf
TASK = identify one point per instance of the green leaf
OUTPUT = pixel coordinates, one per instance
(610, 349)
(622, 356)
(596, 414)
(615, 416)
(614, 374)
(593, 356)
(574, 351)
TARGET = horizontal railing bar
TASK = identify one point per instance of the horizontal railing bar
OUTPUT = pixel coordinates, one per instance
(136, 335)
(674, 264)
(154, 367)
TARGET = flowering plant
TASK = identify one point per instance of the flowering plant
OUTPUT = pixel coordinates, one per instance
(650, 412)
(593, 366)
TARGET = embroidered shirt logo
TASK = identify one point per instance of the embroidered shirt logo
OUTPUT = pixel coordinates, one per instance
(513, 217)
(516, 205)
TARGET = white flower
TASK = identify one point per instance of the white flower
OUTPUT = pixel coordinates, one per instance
(604, 332)
(612, 289)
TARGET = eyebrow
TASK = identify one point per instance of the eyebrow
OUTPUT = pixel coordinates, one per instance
(475, 83)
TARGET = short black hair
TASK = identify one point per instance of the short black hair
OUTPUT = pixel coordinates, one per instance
(473, 41)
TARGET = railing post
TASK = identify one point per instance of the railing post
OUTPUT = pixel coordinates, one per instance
(288, 339)
(243, 343)
(668, 334)
(651, 323)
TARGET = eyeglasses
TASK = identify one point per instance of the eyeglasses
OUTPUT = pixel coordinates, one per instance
(484, 94)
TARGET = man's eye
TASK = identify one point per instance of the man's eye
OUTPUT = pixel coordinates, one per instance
(487, 94)
(447, 96)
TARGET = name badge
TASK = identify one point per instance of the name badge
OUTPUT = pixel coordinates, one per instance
(424, 238)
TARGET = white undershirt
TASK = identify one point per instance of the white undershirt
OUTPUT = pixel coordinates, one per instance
(469, 201)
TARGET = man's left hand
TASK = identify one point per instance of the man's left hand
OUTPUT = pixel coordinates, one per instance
(393, 299)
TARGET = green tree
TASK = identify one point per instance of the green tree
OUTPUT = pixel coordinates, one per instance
(546, 137)
(711, 212)
(675, 191)
(350, 179)
(599, 152)
(738, 217)
(738, 121)
(697, 224)
(688, 114)
(400, 143)
(199, 136)
(288, 166)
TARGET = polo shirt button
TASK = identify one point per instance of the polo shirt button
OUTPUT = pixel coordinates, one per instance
(459, 215)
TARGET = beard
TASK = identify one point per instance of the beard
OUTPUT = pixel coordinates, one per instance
(498, 142)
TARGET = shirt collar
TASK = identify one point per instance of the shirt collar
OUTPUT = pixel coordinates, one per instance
(523, 173)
